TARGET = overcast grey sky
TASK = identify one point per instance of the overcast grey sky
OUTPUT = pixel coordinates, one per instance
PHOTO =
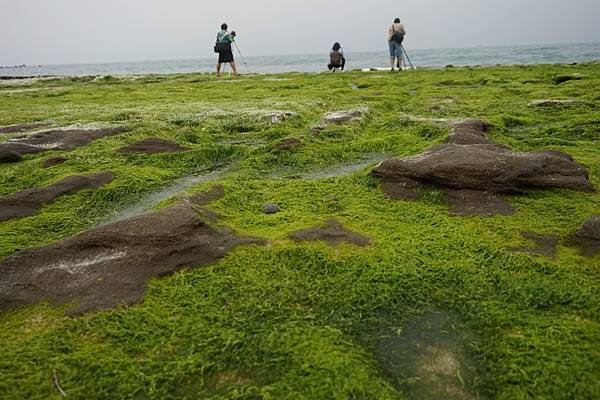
(85, 31)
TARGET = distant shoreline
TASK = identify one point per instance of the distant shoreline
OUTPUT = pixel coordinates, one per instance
(437, 58)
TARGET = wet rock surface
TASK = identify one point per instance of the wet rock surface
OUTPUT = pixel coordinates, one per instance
(587, 238)
(153, 146)
(333, 233)
(428, 358)
(21, 128)
(51, 162)
(544, 245)
(27, 202)
(469, 203)
(57, 140)
(111, 265)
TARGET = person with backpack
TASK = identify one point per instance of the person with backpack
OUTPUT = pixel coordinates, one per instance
(223, 47)
(336, 58)
(396, 35)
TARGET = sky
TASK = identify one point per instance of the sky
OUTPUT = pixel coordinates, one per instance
(88, 31)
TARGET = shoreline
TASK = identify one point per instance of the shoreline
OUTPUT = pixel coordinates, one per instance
(488, 56)
(7, 78)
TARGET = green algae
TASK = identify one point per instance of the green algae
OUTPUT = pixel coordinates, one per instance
(306, 320)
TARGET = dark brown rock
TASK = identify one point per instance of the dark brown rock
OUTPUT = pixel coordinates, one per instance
(154, 146)
(469, 203)
(57, 140)
(289, 144)
(469, 132)
(21, 128)
(9, 156)
(111, 265)
(27, 202)
(54, 161)
(544, 245)
(333, 233)
(487, 167)
(590, 228)
(587, 237)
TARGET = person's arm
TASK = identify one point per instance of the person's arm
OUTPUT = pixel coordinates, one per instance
(403, 30)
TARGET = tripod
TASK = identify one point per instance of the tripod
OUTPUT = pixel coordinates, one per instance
(407, 57)
(242, 57)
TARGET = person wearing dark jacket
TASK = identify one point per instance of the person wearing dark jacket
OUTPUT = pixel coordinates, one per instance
(336, 58)
(223, 47)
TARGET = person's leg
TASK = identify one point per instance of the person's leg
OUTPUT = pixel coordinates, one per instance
(392, 54)
(218, 69)
(343, 63)
(233, 67)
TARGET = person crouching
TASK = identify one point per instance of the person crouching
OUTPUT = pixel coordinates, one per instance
(336, 58)
(223, 47)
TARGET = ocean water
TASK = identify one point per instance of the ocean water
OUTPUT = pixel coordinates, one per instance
(507, 55)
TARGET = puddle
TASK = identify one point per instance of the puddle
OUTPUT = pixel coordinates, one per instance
(331, 172)
(427, 358)
(177, 187)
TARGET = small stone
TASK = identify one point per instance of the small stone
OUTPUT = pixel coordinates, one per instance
(270, 208)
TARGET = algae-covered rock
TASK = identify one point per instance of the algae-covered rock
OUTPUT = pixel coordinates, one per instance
(28, 202)
(111, 265)
(488, 167)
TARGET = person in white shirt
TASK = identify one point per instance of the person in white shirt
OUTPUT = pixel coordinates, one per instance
(396, 35)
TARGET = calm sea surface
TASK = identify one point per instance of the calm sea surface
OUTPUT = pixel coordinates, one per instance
(538, 54)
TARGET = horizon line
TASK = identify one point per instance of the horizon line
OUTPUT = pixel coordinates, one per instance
(12, 66)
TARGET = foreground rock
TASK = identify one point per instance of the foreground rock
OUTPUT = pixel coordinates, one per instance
(21, 128)
(54, 140)
(587, 237)
(469, 161)
(488, 167)
(333, 233)
(111, 265)
(28, 202)
(153, 146)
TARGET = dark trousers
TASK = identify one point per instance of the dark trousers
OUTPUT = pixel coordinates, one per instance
(332, 65)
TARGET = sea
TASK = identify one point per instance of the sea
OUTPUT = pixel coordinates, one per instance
(312, 63)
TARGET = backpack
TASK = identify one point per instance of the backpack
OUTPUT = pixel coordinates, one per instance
(398, 37)
(335, 57)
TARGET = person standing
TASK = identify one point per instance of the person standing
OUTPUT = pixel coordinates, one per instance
(336, 58)
(223, 47)
(396, 35)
